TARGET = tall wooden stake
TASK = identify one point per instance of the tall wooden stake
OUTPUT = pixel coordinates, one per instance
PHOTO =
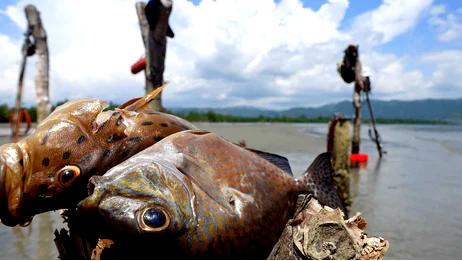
(357, 105)
(42, 76)
(155, 43)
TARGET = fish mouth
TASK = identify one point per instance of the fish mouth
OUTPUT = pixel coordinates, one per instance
(11, 185)
(91, 202)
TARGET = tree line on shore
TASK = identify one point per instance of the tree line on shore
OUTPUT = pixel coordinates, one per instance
(211, 116)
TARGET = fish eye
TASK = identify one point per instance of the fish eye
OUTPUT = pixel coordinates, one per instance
(154, 219)
(67, 174)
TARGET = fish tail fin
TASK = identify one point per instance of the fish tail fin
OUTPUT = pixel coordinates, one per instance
(141, 103)
(318, 180)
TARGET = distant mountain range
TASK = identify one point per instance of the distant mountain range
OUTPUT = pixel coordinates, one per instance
(428, 109)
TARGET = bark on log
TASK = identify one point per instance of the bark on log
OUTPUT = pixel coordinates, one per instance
(42, 65)
(155, 42)
(318, 232)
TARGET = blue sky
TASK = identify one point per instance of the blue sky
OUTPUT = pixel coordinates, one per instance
(230, 53)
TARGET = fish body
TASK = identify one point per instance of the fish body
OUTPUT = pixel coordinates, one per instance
(49, 169)
(194, 194)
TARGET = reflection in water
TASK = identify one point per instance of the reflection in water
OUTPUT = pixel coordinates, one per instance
(32, 242)
(22, 241)
(45, 229)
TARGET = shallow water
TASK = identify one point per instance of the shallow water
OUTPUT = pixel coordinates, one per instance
(410, 197)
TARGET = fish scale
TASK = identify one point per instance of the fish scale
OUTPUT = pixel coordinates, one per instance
(220, 218)
(81, 137)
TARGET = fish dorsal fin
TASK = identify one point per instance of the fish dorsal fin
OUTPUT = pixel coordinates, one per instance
(277, 160)
(320, 176)
(202, 179)
(138, 104)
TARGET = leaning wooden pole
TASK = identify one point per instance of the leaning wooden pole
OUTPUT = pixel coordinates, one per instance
(42, 66)
(155, 42)
(22, 70)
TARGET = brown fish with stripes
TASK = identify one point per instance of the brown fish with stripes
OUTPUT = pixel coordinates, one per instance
(197, 195)
(49, 169)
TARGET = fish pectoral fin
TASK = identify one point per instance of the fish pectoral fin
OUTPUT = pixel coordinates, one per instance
(138, 104)
(201, 178)
(277, 160)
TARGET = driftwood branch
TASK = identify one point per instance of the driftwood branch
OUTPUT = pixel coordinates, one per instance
(41, 49)
(155, 42)
(319, 232)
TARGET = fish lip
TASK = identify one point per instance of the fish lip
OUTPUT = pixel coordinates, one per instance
(6, 168)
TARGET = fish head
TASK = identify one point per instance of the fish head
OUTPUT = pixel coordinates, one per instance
(49, 169)
(140, 197)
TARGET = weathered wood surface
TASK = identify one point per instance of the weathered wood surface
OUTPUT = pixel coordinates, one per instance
(155, 42)
(42, 66)
(338, 143)
(318, 232)
(355, 145)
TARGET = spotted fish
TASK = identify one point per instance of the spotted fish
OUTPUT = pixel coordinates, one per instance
(196, 195)
(49, 169)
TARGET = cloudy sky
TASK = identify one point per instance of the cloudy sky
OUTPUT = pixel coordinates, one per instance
(264, 53)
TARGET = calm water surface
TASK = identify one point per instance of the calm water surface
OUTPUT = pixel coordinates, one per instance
(411, 197)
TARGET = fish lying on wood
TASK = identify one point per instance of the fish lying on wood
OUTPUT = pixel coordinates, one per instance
(196, 195)
(49, 169)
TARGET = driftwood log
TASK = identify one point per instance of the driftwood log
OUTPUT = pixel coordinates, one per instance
(315, 232)
(318, 232)
(42, 66)
(155, 43)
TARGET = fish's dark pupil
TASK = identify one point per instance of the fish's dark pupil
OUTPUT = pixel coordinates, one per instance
(154, 218)
(67, 175)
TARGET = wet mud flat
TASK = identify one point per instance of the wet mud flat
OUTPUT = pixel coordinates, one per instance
(411, 197)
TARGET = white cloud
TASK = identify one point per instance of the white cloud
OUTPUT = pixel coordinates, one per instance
(448, 24)
(391, 19)
(224, 53)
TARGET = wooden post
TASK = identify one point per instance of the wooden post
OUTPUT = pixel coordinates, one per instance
(42, 77)
(338, 143)
(357, 106)
(155, 42)
(15, 116)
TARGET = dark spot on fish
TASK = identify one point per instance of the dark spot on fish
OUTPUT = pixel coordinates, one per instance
(147, 123)
(46, 162)
(113, 137)
(106, 153)
(157, 139)
(135, 140)
(66, 155)
(119, 121)
(43, 188)
(51, 175)
(21, 162)
(125, 153)
(81, 139)
(163, 124)
(116, 113)
(45, 139)
(102, 125)
(231, 202)
(199, 132)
